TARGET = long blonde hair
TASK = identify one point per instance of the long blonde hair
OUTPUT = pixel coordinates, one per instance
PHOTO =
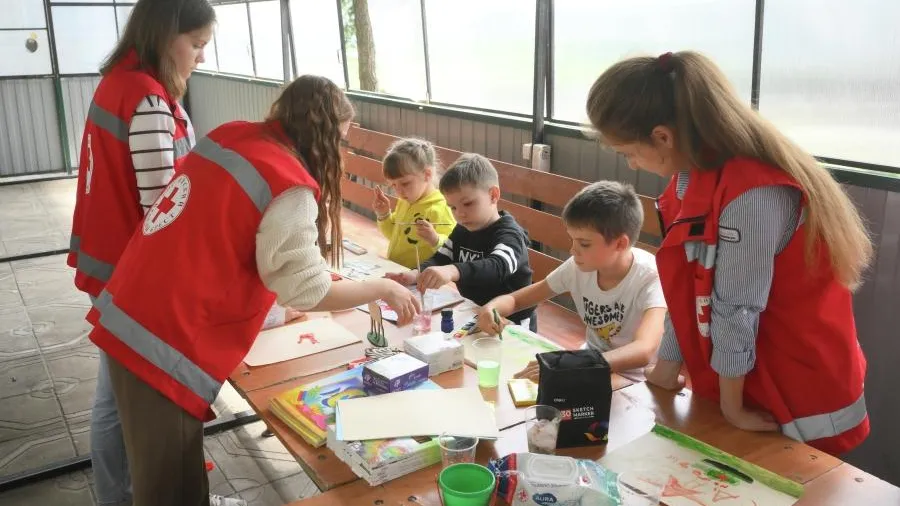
(311, 110)
(687, 92)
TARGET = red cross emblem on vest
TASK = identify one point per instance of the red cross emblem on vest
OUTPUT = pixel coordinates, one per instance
(704, 314)
(168, 205)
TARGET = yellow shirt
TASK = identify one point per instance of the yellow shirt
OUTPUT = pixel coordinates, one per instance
(403, 239)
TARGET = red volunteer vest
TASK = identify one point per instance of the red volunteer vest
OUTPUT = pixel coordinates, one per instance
(107, 205)
(185, 302)
(809, 369)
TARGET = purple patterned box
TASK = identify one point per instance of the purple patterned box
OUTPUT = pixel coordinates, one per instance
(394, 374)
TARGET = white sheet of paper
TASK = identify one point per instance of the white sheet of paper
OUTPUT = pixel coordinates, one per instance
(284, 343)
(459, 411)
(367, 266)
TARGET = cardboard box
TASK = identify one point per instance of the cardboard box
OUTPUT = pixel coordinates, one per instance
(394, 374)
(440, 353)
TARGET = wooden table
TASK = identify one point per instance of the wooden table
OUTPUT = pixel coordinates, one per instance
(258, 385)
(827, 481)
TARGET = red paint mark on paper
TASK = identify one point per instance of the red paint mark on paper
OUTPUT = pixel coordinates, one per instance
(307, 337)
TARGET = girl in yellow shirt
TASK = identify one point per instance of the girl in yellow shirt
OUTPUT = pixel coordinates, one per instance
(422, 220)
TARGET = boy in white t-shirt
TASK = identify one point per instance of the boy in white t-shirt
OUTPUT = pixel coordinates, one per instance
(615, 286)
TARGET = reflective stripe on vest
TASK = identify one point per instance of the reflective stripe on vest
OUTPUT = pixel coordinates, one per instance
(701, 251)
(243, 172)
(87, 264)
(826, 425)
(155, 350)
(108, 121)
(182, 147)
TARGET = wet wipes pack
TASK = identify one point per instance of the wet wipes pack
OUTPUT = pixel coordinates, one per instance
(528, 479)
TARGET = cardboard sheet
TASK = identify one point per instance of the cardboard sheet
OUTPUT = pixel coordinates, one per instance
(285, 343)
(459, 411)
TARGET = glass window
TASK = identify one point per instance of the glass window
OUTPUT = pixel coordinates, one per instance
(590, 36)
(233, 39)
(265, 18)
(482, 53)
(317, 39)
(122, 14)
(399, 49)
(84, 37)
(831, 77)
(23, 14)
(26, 52)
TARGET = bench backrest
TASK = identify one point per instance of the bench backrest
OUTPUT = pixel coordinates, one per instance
(366, 148)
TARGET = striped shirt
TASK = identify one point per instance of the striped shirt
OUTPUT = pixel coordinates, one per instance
(753, 228)
(151, 139)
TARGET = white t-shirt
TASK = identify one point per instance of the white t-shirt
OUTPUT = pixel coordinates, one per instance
(611, 317)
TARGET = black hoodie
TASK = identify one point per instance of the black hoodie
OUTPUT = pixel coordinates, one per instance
(492, 261)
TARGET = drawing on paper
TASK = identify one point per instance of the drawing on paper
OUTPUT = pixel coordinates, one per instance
(701, 475)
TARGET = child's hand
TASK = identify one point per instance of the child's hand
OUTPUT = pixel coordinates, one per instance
(437, 276)
(426, 231)
(404, 278)
(380, 204)
(751, 419)
(664, 374)
(486, 322)
(532, 371)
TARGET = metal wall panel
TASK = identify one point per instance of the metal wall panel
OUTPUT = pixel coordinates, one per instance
(77, 95)
(29, 131)
(215, 101)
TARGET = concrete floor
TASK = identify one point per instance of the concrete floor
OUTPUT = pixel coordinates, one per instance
(48, 371)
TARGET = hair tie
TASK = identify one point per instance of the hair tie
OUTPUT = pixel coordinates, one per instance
(665, 62)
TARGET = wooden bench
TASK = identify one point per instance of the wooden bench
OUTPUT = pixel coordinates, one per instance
(362, 163)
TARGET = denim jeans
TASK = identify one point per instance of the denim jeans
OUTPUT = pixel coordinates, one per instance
(112, 482)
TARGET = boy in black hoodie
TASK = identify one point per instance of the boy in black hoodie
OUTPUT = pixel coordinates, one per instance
(486, 254)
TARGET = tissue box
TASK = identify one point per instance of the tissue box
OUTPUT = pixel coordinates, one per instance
(393, 374)
(439, 353)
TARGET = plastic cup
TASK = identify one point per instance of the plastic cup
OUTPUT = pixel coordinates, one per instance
(542, 428)
(640, 487)
(488, 353)
(422, 321)
(466, 485)
(457, 449)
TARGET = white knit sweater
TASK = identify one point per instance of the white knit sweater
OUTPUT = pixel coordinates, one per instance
(287, 256)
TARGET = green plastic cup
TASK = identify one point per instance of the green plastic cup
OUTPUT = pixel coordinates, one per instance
(466, 485)
(488, 354)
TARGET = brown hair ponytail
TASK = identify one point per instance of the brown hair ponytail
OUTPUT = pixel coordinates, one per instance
(311, 110)
(687, 92)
